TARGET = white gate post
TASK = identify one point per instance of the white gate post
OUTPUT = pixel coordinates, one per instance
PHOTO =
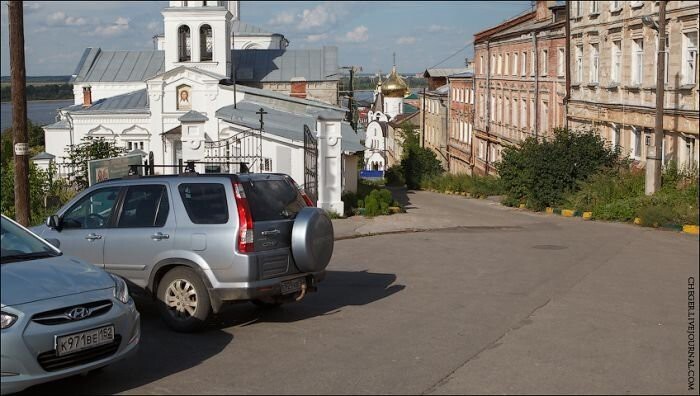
(193, 147)
(330, 164)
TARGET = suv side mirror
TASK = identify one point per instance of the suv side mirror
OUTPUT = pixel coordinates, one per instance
(54, 222)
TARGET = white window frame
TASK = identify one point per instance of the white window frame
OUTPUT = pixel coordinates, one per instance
(615, 5)
(500, 64)
(507, 64)
(579, 63)
(666, 57)
(493, 64)
(523, 113)
(690, 58)
(595, 63)
(532, 63)
(637, 61)
(636, 143)
(636, 3)
(561, 62)
(616, 62)
(515, 63)
(481, 64)
(523, 63)
(595, 7)
(532, 114)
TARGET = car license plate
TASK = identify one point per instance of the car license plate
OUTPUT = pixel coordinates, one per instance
(292, 285)
(84, 340)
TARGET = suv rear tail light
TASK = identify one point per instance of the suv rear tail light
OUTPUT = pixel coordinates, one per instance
(245, 220)
(303, 193)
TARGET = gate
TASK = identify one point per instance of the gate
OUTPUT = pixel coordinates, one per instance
(244, 148)
(310, 165)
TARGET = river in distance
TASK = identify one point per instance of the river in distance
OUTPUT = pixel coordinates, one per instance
(40, 112)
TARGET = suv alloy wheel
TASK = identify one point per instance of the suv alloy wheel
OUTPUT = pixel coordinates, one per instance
(183, 300)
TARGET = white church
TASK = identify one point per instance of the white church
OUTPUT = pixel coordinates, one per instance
(178, 102)
(388, 105)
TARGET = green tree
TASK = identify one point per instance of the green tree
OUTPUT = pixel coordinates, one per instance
(418, 163)
(540, 172)
(90, 148)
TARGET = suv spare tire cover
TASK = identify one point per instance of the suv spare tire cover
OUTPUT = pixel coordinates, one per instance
(312, 240)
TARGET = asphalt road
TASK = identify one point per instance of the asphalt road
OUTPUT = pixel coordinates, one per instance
(510, 302)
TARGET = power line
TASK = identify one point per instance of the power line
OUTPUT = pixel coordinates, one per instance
(453, 54)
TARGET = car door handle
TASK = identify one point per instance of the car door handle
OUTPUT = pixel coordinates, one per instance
(93, 236)
(159, 235)
(271, 232)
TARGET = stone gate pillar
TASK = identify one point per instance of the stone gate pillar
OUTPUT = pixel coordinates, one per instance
(330, 163)
(193, 138)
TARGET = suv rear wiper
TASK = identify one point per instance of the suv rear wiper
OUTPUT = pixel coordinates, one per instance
(28, 256)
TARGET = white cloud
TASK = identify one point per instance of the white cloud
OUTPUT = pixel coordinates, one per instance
(312, 38)
(319, 16)
(153, 26)
(437, 28)
(59, 18)
(357, 35)
(406, 40)
(283, 18)
(119, 26)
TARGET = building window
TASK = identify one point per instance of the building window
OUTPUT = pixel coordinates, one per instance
(493, 108)
(516, 119)
(615, 136)
(523, 64)
(595, 7)
(616, 61)
(656, 57)
(615, 5)
(184, 43)
(561, 62)
(545, 66)
(515, 63)
(472, 96)
(637, 62)
(500, 64)
(493, 64)
(595, 61)
(579, 63)
(481, 64)
(507, 71)
(578, 8)
(205, 43)
(506, 116)
(499, 109)
(481, 149)
(635, 4)
(688, 158)
(636, 143)
(544, 121)
(532, 63)
(532, 114)
(523, 113)
(690, 57)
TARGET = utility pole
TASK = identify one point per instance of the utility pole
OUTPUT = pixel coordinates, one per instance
(19, 111)
(655, 152)
(262, 113)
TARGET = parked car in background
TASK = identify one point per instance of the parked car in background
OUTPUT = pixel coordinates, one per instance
(61, 316)
(196, 241)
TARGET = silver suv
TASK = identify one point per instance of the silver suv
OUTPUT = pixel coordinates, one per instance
(195, 241)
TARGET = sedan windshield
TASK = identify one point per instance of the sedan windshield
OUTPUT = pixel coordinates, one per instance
(17, 244)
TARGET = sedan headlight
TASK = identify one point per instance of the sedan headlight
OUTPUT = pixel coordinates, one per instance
(121, 291)
(7, 320)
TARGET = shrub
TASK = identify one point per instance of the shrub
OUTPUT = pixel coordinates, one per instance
(541, 172)
(394, 176)
(477, 186)
(378, 202)
(417, 163)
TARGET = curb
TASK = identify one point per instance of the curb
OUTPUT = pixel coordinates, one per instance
(691, 229)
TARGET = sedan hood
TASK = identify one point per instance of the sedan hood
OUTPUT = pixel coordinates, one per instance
(34, 280)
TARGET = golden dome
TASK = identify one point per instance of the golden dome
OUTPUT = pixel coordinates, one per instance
(394, 86)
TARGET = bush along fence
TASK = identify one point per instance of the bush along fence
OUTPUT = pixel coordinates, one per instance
(372, 199)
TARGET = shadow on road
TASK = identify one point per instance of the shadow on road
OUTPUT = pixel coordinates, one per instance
(163, 352)
(338, 290)
(401, 195)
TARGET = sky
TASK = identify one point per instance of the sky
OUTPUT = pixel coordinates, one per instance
(422, 34)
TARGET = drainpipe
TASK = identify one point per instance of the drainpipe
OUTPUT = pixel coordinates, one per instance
(567, 73)
(488, 105)
(537, 84)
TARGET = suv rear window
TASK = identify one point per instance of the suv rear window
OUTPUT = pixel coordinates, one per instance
(205, 203)
(272, 199)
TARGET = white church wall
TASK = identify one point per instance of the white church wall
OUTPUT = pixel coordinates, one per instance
(56, 140)
(350, 173)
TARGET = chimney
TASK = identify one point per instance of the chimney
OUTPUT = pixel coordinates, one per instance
(298, 87)
(542, 10)
(87, 96)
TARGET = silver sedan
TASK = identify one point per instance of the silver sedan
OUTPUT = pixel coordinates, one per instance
(60, 316)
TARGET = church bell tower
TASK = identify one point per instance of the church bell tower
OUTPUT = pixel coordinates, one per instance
(198, 34)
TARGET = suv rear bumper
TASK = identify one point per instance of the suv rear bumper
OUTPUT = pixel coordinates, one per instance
(263, 288)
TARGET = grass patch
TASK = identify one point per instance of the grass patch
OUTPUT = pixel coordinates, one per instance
(476, 186)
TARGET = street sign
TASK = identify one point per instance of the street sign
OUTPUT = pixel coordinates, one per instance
(21, 149)
(112, 168)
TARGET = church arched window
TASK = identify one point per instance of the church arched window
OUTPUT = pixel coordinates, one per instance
(184, 43)
(205, 43)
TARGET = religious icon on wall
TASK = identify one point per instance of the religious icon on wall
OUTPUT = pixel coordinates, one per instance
(184, 100)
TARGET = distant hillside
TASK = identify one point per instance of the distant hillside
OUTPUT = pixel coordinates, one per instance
(40, 79)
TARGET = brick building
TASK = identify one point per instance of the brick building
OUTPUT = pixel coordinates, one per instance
(433, 131)
(519, 81)
(613, 76)
(461, 115)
